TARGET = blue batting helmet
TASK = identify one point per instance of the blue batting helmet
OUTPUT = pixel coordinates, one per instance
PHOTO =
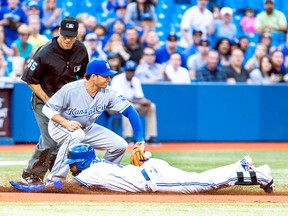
(82, 155)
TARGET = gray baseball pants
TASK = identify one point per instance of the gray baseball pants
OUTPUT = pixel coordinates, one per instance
(38, 164)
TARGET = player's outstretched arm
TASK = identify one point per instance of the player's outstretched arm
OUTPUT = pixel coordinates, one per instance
(34, 188)
(135, 122)
(59, 186)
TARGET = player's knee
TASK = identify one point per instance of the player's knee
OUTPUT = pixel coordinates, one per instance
(78, 134)
(123, 145)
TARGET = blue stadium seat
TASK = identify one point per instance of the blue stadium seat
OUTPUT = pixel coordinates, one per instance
(278, 38)
(182, 1)
(236, 20)
(235, 4)
(253, 37)
(250, 51)
(278, 4)
(256, 5)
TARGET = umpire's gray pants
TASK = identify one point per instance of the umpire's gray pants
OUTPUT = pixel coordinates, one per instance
(38, 164)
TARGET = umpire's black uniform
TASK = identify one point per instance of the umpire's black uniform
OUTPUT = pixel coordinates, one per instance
(51, 67)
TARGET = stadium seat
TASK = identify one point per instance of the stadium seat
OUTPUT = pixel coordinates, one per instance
(236, 20)
(235, 4)
(183, 1)
(278, 38)
(256, 5)
(278, 4)
(253, 37)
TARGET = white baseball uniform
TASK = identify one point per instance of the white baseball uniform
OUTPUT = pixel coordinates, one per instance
(158, 175)
(74, 103)
(132, 90)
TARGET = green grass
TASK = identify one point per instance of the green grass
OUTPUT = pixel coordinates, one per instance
(197, 161)
(147, 209)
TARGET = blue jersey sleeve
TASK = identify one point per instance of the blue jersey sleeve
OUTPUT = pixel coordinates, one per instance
(135, 122)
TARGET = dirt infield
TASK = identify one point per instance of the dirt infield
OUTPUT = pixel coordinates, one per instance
(149, 198)
(221, 196)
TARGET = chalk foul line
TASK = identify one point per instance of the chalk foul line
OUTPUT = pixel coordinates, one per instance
(13, 163)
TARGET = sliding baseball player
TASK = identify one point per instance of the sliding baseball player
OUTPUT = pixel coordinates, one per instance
(154, 175)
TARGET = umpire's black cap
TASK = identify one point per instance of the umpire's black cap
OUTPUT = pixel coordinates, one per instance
(69, 27)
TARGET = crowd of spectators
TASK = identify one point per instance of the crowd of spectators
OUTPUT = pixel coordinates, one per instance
(208, 47)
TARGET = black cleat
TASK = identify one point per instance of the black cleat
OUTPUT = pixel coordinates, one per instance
(30, 178)
(152, 141)
(269, 187)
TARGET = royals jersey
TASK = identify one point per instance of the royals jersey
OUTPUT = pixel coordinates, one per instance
(74, 103)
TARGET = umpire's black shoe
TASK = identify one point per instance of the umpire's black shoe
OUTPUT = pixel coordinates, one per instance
(152, 141)
(30, 178)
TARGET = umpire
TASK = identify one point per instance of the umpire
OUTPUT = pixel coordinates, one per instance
(60, 61)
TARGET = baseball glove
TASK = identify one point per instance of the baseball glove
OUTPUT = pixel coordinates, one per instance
(138, 154)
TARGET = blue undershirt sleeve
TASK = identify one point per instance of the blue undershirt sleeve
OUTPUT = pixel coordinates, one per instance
(135, 122)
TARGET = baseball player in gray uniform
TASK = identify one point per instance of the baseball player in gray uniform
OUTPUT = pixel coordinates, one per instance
(154, 175)
(74, 109)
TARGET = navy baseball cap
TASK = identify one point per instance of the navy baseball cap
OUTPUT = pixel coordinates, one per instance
(130, 65)
(204, 42)
(69, 27)
(172, 36)
(195, 31)
(119, 5)
(99, 67)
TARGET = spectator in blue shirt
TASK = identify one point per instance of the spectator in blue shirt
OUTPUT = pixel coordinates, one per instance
(171, 46)
(120, 13)
(149, 71)
(94, 47)
(192, 49)
(11, 17)
(33, 8)
(225, 27)
(7, 51)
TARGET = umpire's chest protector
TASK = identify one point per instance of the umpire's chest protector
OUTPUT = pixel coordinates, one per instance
(57, 67)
